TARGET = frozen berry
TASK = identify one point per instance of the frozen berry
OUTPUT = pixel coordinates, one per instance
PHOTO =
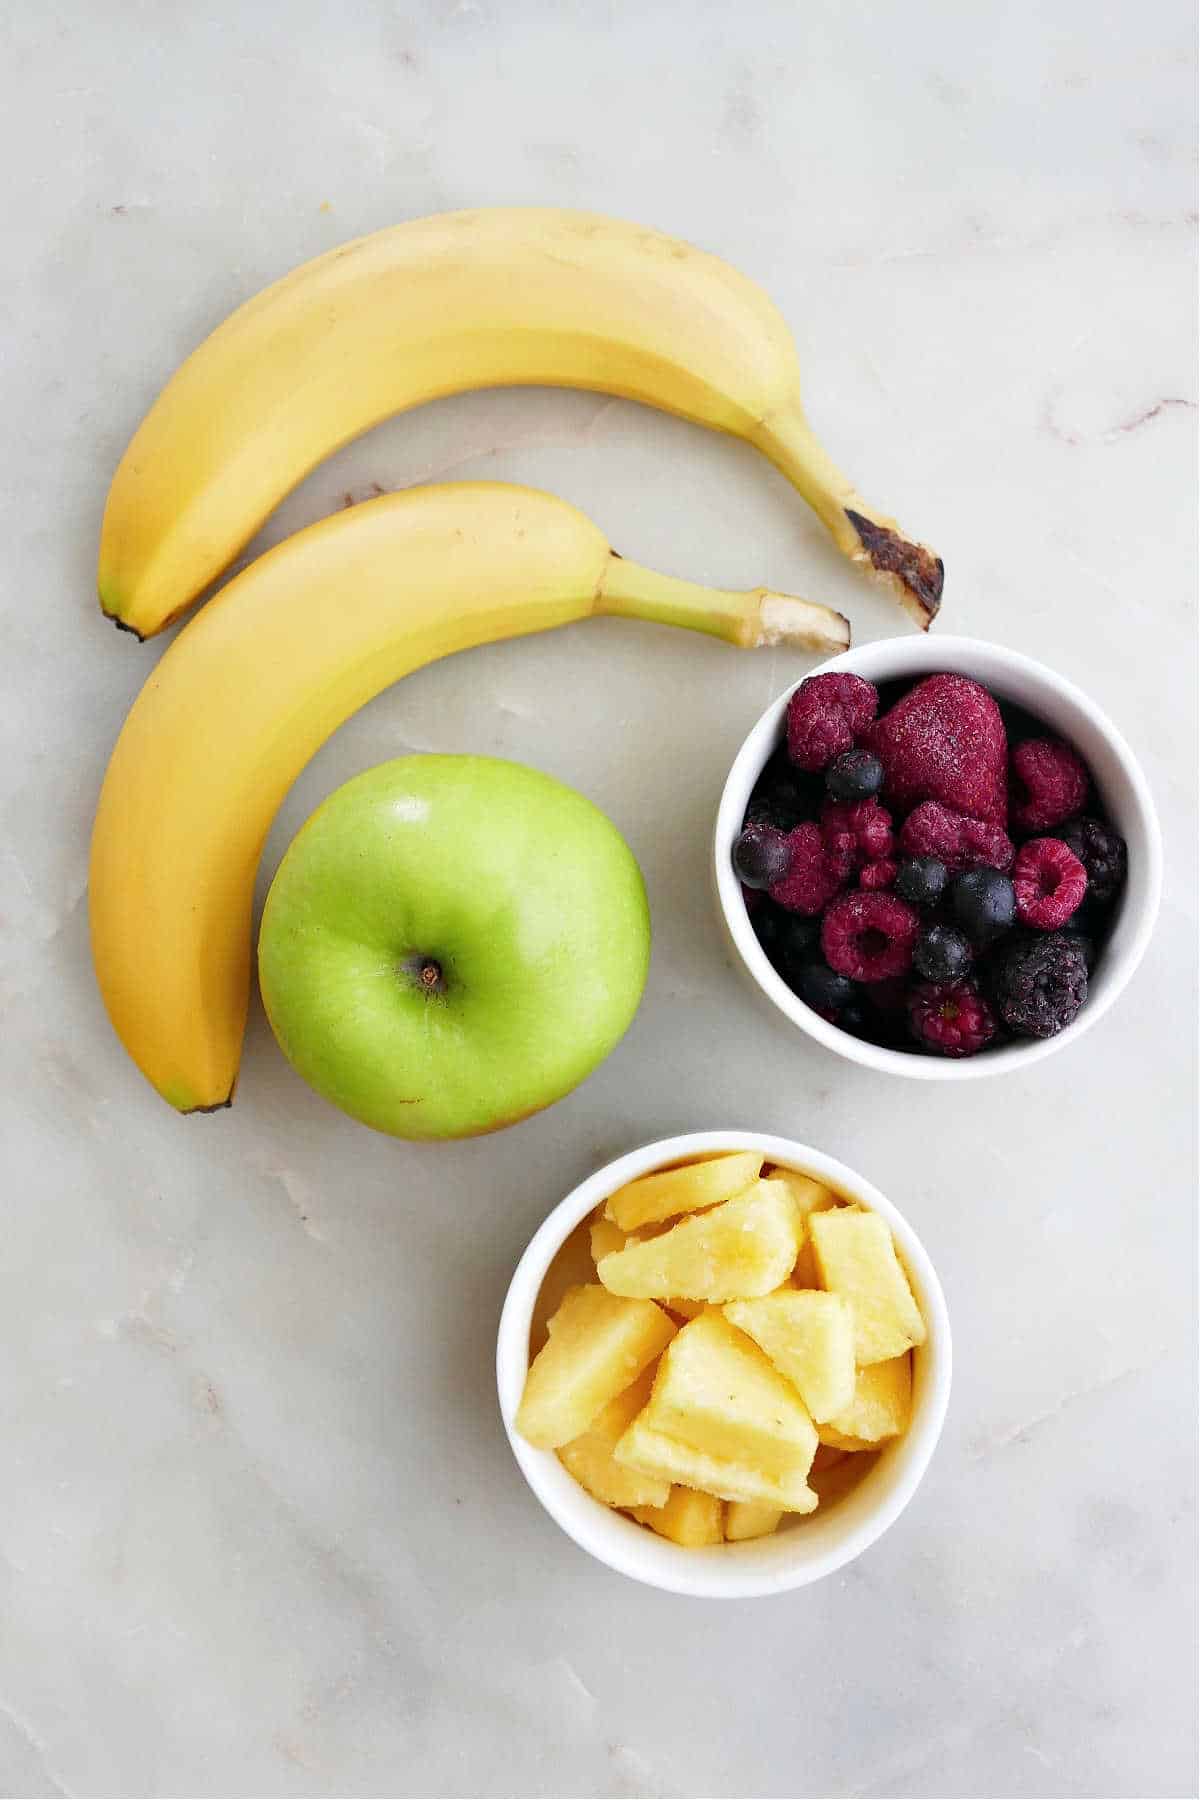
(875, 876)
(858, 832)
(984, 904)
(1049, 882)
(854, 775)
(784, 796)
(1085, 945)
(1048, 783)
(921, 880)
(823, 989)
(787, 938)
(825, 715)
(944, 740)
(1040, 984)
(942, 953)
(869, 936)
(813, 877)
(1102, 853)
(954, 838)
(951, 1017)
(761, 855)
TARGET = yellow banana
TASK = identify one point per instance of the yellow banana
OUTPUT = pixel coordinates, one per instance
(260, 678)
(492, 298)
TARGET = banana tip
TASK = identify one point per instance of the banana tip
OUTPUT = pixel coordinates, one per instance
(920, 574)
(122, 626)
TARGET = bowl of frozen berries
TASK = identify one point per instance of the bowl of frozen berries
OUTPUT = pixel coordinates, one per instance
(938, 858)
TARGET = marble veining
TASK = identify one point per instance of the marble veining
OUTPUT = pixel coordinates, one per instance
(259, 1528)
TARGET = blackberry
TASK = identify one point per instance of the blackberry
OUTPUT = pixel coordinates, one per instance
(1041, 982)
(1101, 851)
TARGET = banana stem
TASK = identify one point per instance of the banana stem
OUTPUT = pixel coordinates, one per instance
(914, 574)
(749, 620)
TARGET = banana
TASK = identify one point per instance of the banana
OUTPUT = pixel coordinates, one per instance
(492, 298)
(257, 681)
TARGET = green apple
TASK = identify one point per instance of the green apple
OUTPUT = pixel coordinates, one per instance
(452, 943)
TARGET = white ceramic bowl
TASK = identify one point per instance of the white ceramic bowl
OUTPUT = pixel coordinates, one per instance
(802, 1550)
(1066, 711)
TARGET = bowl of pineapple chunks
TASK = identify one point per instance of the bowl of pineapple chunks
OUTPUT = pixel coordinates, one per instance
(724, 1364)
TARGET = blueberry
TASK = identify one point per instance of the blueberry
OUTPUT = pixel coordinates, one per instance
(984, 904)
(823, 989)
(942, 954)
(854, 775)
(788, 938)
(855, 1020)
(921, 880)
(760, 855)
(784, 796)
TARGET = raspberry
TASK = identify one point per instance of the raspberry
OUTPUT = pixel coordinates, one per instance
(1047, 784)
(951, 1017)
(875, 876)
(869, 936)
(813, 876)
(1102, 853)
(825, 715)
(1041, 983)
(1049, 881)
(944, 740)
(858, 833)
(956, 840)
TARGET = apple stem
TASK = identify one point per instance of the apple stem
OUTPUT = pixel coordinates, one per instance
(749, 620)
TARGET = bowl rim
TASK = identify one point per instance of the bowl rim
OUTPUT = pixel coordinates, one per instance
(887, 657)
(728, 1571)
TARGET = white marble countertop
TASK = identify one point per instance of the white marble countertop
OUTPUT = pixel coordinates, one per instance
(259, 1528)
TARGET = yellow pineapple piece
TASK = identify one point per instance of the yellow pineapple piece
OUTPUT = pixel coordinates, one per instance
(598, 1345)
(881, 1407)
(606, 1238)
(674, 1191)
(589, 1458)
(718, 1393)
(857, 1259)
(809, 1194)
(750, 1519)
(688, 1518)
(652, 1452)
(744, 1247)
(809, 1336)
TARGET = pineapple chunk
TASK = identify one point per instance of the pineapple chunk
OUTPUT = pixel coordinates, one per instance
(744, 1247)
(857, 1259)
(810, 1339)
(606, 1239)
(674, 1191)
(717, 1392)
(810, 1195)
(590, 1460)
(750, 1519)
(652, 1452)
(598, 1345)
(880, 1408)
(688, 1518)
